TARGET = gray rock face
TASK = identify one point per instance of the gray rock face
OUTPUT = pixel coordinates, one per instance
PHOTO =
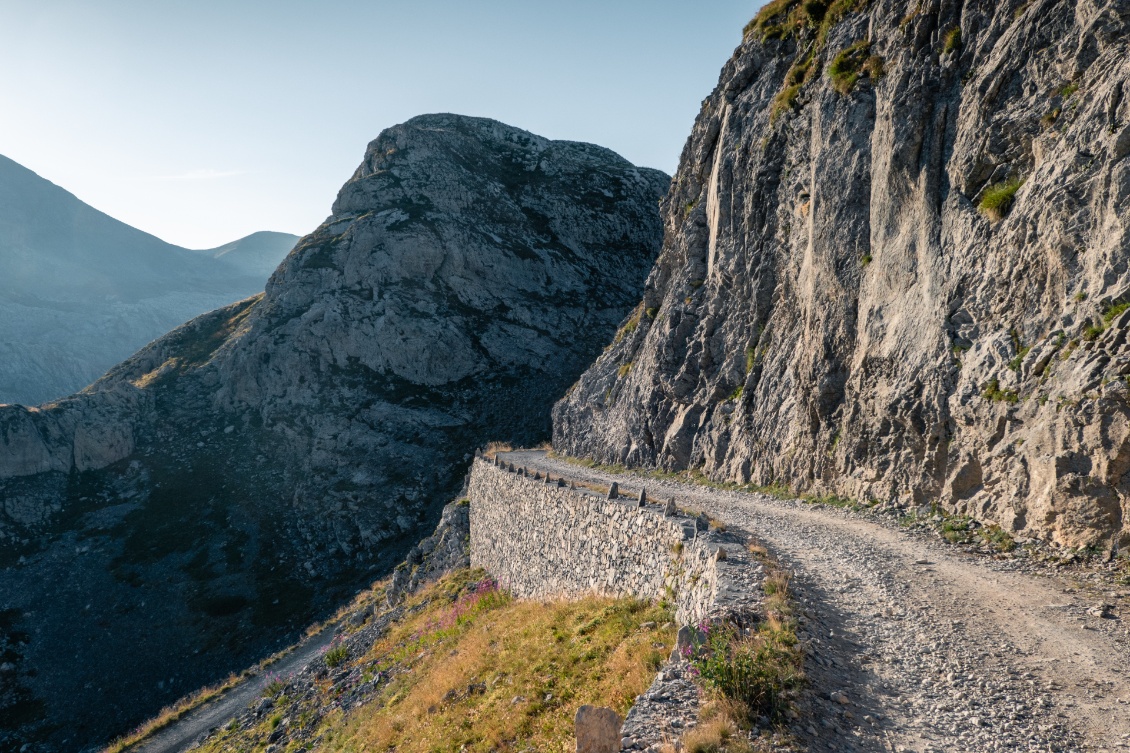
(890, 283)
(209, 496)
(80, 291)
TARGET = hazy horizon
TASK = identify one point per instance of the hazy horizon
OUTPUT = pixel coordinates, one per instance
(201, 125)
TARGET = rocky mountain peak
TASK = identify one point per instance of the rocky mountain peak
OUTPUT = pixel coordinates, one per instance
(237, 477)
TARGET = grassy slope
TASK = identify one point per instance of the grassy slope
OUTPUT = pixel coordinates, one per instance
(473, 670)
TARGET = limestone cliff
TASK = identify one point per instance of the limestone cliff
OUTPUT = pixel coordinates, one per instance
(895, 268)
(231, 481)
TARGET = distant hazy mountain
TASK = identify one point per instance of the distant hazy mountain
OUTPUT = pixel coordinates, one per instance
(80, 291)
(257, 254)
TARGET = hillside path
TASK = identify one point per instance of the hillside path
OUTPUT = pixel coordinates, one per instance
(194, 726)
(937, 650)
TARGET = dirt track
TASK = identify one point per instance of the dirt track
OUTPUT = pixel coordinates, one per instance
(932, 648)
(194, 726)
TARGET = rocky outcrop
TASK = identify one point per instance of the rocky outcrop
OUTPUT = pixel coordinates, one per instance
(895, 268)
(212, 494)
(445, 551)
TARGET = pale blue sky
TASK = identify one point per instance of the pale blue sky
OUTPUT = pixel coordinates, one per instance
(203, 121)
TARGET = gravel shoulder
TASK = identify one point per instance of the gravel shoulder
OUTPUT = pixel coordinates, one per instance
(917, 645)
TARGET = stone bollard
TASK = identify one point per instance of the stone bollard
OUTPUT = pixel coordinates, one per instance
(537, 476)
(643, 498)
(548, 480)
(510, 467)
(669, 510)
(614, 491)
(702, 522)
(598, 730)
(561, 483)
(572, 486)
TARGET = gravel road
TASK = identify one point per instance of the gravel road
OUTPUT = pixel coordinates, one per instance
(918, 645)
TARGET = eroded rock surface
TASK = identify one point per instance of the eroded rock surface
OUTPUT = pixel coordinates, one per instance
(895, 268)
(215, 492)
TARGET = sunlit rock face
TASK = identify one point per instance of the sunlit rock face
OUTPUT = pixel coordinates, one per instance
(894, 269)
(209, 496)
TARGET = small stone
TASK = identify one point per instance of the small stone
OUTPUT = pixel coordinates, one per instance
(1102, 611)
(598, 730)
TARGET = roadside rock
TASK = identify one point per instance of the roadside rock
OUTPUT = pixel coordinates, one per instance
(598, 730)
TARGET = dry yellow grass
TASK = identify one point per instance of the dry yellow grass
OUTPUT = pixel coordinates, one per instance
(494, 448)
(472, 670)
(509, 678)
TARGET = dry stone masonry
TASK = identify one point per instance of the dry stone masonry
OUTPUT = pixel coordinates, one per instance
(541, 539)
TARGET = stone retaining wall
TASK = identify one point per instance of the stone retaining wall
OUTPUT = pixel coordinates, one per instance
(542, 538)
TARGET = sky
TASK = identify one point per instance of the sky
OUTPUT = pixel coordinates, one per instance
(204, 121)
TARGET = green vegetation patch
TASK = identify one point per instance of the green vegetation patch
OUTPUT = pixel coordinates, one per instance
(851, 63)
(998, 199)
(951, 42)
(746, 677)
(782, 19)
(1113, 310)
(994, 393)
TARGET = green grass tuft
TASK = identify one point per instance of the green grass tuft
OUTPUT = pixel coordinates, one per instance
(336, 655)
(952, 41)
(998, 199)
(848, 65)
(994, 393)
(1114, 310)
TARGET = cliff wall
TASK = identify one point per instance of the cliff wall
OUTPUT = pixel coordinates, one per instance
(896, 268)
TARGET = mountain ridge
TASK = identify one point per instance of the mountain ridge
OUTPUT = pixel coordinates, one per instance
(80, 290)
